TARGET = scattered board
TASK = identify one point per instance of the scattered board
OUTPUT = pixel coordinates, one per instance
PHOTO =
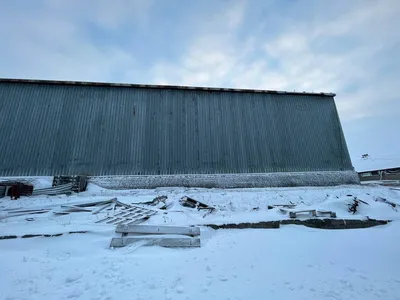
(293, 214)
(151, 235)
(169, 242)
(150, 229)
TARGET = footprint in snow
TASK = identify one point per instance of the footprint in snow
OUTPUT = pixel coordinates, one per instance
(363, 277)
(179, 289)
(73, 278)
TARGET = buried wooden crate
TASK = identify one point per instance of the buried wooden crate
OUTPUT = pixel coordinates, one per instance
(165, 236)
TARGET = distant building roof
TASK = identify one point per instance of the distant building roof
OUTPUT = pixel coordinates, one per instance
(373, 163)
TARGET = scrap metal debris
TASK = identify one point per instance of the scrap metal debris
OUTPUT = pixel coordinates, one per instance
(392, 204)
(159, 202)
(354, 206)
(18, 212)
(79, 183)
(15, 189)
(61, 185)
(71, 208)
(164, 236)
(156, 201)
(55, 190)
(25, 236)
(117, 212)
(91, 207)
(192, 203)
(291, 205)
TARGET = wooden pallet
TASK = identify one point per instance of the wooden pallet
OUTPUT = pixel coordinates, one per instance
(312, 212)
(149, 229)
(169, 242)
(321, 213)
(129, 216)
(164, 236)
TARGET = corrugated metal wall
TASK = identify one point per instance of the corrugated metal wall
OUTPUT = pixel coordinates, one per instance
(50, 129)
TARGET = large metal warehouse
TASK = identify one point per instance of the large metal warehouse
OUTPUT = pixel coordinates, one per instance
(127, 135)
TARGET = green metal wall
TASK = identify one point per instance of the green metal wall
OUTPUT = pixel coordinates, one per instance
(52, 128)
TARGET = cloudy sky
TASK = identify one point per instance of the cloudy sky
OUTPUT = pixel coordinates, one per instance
(349, 47)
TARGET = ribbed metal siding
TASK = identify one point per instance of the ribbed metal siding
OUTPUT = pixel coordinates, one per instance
(49, 129)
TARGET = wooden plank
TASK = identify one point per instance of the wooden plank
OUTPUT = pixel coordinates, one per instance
(324, 212)
(140, 220)
(121, 204)
(281, 205)
(87, 204)
(105, 219)
(154, 229)
(71, 208)
(23, 214)
(147, 209)
(311, 211)
(113, 206)
(60, 212)
(27, 211)
(170, 242)
(100, 209)
(293, 214)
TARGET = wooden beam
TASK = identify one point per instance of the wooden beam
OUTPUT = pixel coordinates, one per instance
(155, 229)
(170, 242)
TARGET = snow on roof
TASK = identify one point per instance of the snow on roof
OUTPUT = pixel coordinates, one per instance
(372, 163)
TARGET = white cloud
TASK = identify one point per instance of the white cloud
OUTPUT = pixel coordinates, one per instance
(221, 59)
(211, 55)
(330, 46)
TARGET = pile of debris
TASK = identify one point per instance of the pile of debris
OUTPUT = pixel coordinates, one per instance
(192, 203)
(61, 185)
(15, 189)
(293, 214)
(128, 214)
(352, 208)
(160, 202)
(383, 200)
(117, 212)
(78, 183)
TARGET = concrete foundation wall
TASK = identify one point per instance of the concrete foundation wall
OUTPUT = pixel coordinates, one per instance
(229, 180)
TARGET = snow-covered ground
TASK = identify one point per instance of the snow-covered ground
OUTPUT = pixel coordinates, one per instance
(293, 262)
